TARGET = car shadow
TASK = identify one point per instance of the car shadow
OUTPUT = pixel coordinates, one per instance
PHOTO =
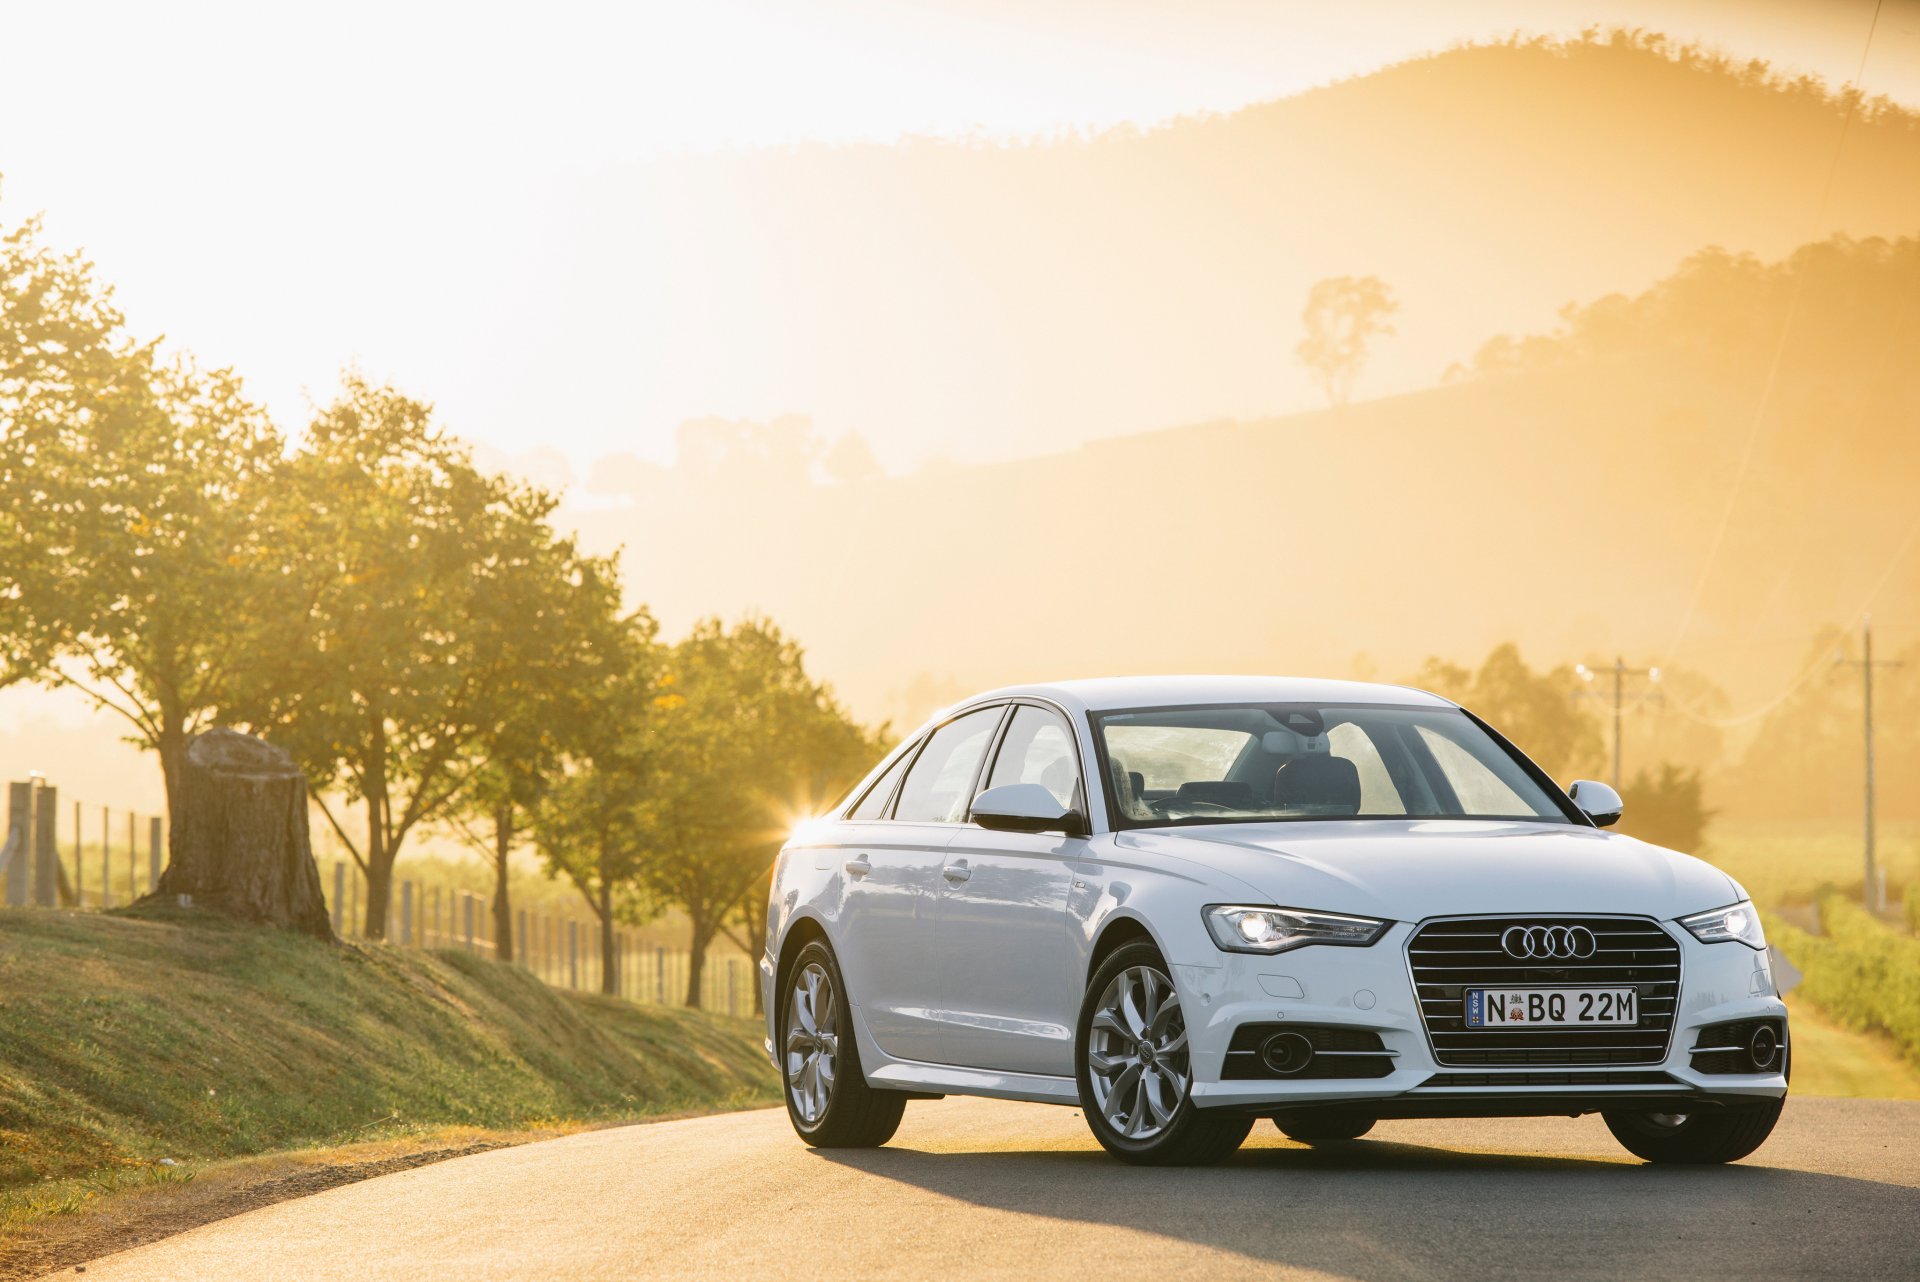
(1380, 1208)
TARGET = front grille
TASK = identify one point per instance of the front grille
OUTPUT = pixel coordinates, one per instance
(1337, 1052)
(1604, 1077)
(1449, 957)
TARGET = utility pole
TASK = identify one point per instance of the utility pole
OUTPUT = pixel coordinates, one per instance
(1620, 672)
(1870, 891)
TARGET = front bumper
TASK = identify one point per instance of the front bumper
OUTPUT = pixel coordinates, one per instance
(1371, 989)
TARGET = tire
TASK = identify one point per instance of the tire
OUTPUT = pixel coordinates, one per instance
(1322, 1126)
(1134, 1072)
(834, 1108)
(1721, 1135)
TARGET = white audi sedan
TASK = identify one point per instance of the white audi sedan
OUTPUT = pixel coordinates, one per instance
(1182, 904)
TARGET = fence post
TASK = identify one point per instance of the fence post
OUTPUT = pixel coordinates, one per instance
(439, 931)
(20, 833)
(339, 892)
(46, 855)
(522, 941)
(153, 854)
(106, 858)
(573, 953)
(133, 860)
(406, 914)
(466, 907)
(353, 902)
(79, 863)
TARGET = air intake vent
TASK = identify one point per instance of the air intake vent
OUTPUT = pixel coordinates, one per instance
(1449, 957)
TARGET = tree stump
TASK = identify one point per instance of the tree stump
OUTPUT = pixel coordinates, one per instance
(238, 839)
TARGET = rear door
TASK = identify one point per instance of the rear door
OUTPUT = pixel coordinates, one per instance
(891, 877)
(1009, 992)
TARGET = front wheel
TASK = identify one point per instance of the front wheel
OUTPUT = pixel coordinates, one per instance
(1723, 1135)
(1135, 1072)
(828, 1099)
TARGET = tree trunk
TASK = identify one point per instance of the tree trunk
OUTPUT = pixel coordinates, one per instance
(239, 835)
(703, 931)
(379, 855)
(172, 747)
(609, 954)
(502, 903)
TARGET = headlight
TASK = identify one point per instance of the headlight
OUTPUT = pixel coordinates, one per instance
(1274, 930)
(1739, 922)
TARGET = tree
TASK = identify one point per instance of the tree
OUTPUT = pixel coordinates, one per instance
(1534, 709)
(1343, 313)
(591, 822)
(1667, 807)
(131, 490)
(434, 601)
(752, 744)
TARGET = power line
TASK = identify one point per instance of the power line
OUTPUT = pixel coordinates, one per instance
(1620, 672)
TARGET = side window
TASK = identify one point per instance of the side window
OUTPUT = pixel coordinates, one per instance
(871, 805)
(935, 790)
(1038, 749)
(1480, 790)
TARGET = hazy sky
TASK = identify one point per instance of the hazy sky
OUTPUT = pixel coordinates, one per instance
(288, 190)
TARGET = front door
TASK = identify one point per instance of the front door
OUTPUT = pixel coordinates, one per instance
(891, 871)
(1005, 975)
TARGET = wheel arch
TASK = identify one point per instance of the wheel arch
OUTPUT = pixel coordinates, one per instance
(1116, 932)
(804, 929)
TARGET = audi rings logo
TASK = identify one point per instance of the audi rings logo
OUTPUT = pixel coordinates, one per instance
(1562, 943)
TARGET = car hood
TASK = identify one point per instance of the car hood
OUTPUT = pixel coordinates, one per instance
(1407, 870)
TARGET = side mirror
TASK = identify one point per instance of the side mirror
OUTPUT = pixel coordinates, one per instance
(1024, 807)
(1598, 801)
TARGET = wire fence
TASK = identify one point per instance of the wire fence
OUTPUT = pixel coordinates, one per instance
(65, 853)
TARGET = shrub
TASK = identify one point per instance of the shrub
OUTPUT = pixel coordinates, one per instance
(1862, 972)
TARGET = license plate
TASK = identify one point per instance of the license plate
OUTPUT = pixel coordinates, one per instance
(1551, 1007)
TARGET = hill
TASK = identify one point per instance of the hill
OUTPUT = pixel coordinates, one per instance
(989, 299)
(1572, 500)
(127, 1039)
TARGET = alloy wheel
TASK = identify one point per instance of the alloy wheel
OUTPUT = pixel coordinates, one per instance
(1137, 1053)
(813, 1047)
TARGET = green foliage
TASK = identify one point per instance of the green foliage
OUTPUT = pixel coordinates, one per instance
(1861, 972)
(591, 823)
(755, 745)
(1667, 808)
(435, 624)
(128, 1039)
(1534, 709)
(1342, 315)
(131, 498)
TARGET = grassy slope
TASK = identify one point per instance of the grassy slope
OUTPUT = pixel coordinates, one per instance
(126, 1040)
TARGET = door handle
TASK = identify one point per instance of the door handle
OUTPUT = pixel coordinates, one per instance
(957, 871)
(858, 866)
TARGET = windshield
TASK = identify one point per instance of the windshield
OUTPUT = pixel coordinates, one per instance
(1255, 763)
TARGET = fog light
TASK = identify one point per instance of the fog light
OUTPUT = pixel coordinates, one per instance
(1286, 1053)
(1763, 1048)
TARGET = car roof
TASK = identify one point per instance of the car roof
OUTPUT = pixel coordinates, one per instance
(1102, 694)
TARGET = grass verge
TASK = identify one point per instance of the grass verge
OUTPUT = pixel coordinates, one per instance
(128, 1042)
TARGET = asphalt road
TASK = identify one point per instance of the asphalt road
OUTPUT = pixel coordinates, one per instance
(977, 1189)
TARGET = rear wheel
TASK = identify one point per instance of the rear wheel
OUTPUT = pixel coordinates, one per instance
(1720, 1135)
(828, 1099)
(1135, 1072)
(1322, 1127)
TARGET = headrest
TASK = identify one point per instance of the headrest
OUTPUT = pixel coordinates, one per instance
(1318, 781)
